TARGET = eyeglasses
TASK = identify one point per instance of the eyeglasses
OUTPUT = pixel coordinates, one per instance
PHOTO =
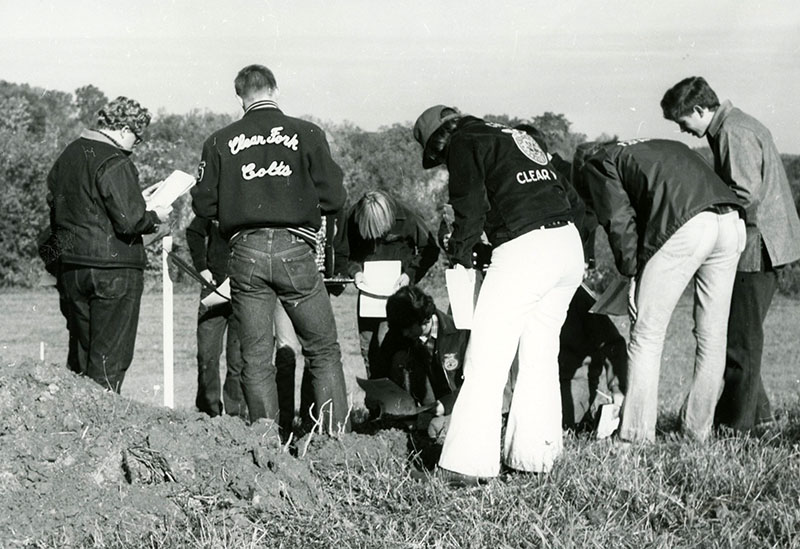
(137, 138)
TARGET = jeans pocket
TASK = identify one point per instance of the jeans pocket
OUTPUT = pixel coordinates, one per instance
(302, 271)
(241, 268)
(112, 283)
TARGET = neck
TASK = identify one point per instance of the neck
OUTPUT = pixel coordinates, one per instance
(114, 136)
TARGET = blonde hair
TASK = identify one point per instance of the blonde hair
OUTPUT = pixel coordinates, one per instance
(374, 214)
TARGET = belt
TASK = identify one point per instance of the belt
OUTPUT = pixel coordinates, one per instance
(720, 209)
(554, 224)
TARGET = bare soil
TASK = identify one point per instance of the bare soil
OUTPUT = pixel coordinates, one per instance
(79, 464)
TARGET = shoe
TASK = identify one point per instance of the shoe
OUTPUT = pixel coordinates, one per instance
(458, 480)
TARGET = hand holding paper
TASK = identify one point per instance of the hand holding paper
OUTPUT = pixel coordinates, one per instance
(164, 193)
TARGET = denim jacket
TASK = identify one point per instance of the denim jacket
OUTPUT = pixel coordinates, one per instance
(746, 158)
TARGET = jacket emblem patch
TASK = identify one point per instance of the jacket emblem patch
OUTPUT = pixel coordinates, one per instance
(450, 361)
(529, 147)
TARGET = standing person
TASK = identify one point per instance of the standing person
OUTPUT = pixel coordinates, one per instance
(267, 179)
(381, 228)
(502, 183)
(210, 253)
(746, 158)
(669, 220)
(97, 219)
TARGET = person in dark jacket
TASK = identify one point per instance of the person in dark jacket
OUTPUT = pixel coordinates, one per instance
(746, 158)
(670, 219)
(210, 253)
(423, 353)
(97, 219)
(381, 228)
(268, 179)
(502, 183)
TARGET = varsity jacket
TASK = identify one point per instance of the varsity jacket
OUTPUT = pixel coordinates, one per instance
(501, 182)
(268, 170)
(644, 190)
(746, 158)
(97, 213)
(409, 240)
(207, 248)
(443, 368)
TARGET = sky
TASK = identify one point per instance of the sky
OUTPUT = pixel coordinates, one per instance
(604, 64)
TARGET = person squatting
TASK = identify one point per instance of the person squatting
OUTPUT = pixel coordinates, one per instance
(269, 205)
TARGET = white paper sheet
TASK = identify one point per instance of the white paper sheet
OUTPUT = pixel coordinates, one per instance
(222, 295)
(461, 292)
(379, 280)
(168, 191)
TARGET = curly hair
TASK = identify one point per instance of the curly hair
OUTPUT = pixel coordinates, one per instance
(122, 112)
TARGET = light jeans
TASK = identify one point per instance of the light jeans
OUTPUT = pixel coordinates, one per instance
(522, 304)
(706, 248)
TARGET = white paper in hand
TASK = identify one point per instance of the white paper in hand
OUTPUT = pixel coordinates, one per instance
(166, 192)
(461, 292)
(379, 280)
(222, 295)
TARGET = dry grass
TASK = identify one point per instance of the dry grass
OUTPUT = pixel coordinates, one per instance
(730, 492)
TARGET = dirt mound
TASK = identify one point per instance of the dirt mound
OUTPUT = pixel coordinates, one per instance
(78, 463)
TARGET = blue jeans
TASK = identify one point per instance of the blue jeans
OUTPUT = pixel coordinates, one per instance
(706, 248)
(212, 324)
(102, 306)
(271, 264)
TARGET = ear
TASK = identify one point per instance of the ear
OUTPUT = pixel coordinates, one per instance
(700, 111)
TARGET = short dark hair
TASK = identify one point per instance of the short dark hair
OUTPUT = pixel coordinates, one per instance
(408, 306)
(254, 78)
(681, 98)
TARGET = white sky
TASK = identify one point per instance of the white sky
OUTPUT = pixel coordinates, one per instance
(604, 64)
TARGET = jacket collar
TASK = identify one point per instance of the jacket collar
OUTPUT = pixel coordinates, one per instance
(94, 135)
(446, 323)
(262, 104)
(719, 117)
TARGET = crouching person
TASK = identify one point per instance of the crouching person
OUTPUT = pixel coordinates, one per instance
(670, 221)
(424, 353)
(592, 363)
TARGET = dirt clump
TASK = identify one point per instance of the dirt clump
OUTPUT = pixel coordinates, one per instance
(78, 463)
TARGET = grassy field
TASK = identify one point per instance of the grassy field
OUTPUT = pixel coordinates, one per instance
(729, 492)
(32, 320)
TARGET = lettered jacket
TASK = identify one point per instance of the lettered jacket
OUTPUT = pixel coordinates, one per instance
(501, 182)
(97, 213)
(746, 158)
(268, 170)
(644, 190)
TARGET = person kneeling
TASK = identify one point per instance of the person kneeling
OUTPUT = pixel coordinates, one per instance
(424, 354)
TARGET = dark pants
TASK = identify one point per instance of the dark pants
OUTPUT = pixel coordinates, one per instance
(371, 332)
(212, 323)
(103, 314)
(271, 264)
(593, 355)
(744, 401)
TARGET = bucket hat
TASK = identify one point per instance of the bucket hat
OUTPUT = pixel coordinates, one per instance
(428, 124)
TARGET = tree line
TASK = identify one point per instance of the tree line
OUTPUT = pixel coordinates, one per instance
(36, 124)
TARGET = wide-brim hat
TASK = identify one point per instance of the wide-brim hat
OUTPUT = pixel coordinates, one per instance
(428, 124)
